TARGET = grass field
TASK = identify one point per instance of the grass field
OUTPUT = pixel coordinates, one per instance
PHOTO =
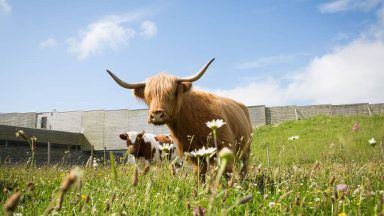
(328, 170)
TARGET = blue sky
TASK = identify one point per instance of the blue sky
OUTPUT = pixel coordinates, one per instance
(273, 52)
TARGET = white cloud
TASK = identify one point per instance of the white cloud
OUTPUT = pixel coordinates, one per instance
(111, 32)
(353, 73)
(350, 73)
(343, 5)
(148, 29)
(255, 93)
(268, 61)
(5, 8)
(50, 42)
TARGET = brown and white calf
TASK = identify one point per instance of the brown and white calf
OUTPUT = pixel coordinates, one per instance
(149, 146)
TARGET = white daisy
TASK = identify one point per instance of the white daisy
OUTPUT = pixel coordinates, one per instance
(372, 141)
(203, 152)
(166, 147)
(293, 138)
(214, 124)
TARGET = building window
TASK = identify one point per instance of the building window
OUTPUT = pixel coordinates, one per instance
(43, 122)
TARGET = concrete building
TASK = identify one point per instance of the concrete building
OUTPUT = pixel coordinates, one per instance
(100, 128)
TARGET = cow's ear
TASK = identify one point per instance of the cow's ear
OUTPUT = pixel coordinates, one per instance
(186, 86)
(139, 92)
(157, 139)
(140, 135)
(123, 136)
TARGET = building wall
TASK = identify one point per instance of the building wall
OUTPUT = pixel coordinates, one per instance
(279, 114)
(257, 115)
(350, 109)
(57, 137)
(115, 122)
(312, 110)
(102, 127)
(377, 108)
(18, 119)
(93, 124)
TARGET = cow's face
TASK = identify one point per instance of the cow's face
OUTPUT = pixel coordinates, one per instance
(164, 139)
(134, 141)
(162, 93)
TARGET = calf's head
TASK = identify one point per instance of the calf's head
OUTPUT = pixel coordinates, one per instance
(162, 93)
(135, 142)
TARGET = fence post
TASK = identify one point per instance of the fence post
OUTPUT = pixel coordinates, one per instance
(382, 147)
(369, 110)
(268, 158)
(105, 155)
(49, 153)
(92, 155)
(297, 118)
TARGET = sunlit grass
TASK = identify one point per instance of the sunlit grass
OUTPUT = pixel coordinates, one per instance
(302, 178)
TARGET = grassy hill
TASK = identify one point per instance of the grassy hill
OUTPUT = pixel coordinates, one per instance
(320, 138)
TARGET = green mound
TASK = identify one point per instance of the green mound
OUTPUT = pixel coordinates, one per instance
(321, 138)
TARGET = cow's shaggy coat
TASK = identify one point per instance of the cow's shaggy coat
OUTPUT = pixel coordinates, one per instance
(173, 102)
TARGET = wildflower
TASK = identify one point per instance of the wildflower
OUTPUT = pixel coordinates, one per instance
(355, 192)
(19, 133)
(317, 199)
(166, 147)
(203, 152)
(372, 141)
(12, 202)
(356, 127)
(135, 177)
(199, 211)
(74, 175)
(293, 138)
(342, 214)
(225, 153)
(95, 164)
(341, 187)
(271, 204)
(215, 124)
(85, 198)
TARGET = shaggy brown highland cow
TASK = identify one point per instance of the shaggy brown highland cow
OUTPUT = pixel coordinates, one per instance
(173, 102)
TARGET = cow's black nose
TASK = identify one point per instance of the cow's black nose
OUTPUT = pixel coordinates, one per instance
(157, 116)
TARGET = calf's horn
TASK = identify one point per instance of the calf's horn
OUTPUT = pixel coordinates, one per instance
(125, 84)
(196, 76)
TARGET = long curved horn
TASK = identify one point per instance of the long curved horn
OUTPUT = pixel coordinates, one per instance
(196, 76)
(124, 84)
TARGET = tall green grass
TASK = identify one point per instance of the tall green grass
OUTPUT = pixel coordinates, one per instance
(302, 178)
